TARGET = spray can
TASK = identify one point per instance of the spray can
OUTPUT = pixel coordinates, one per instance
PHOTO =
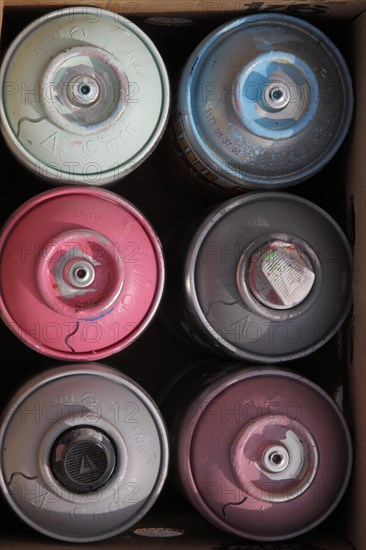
(263, 103)
(267, 277)
(83, 453)
(84, 96)
(261, 453)
(81, 273)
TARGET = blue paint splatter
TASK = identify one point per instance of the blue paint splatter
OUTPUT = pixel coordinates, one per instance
(99, 316)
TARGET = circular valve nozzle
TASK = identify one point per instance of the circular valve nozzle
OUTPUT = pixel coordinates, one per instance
(83, 459)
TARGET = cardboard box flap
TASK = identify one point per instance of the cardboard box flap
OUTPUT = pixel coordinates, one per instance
(347, 9)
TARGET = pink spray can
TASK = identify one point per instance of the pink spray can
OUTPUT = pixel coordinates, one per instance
(81, 273)
(262, 453)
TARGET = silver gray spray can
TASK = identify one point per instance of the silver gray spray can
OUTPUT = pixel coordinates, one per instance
(267, 277)
(84, 453)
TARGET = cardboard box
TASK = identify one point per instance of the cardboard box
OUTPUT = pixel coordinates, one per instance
(157, 358)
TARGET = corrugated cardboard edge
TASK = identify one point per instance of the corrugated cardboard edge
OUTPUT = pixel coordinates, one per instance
(330, 8)
(356, 188)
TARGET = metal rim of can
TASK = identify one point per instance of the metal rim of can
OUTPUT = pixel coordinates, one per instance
(156, 250)
(213, 161)
(187, 433)
(108, 374)
(109, 175)
(190, 287)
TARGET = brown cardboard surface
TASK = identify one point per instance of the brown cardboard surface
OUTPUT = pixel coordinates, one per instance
(357, 370)
(197, 535)
(334, 8)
